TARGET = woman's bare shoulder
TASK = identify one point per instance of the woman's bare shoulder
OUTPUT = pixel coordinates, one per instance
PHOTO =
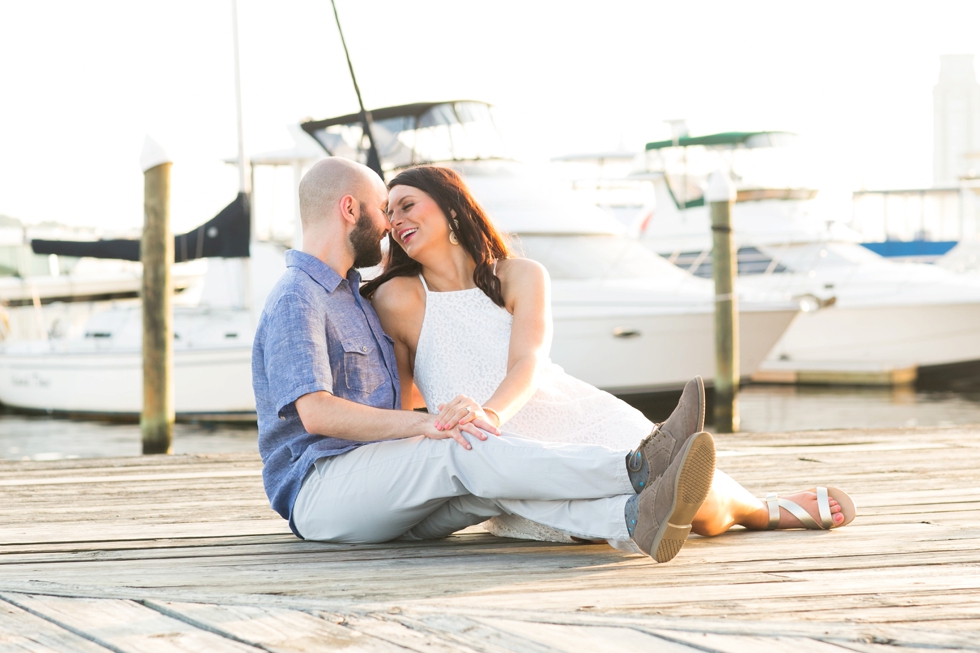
(520, 279)
(520, 267)
(398, 296)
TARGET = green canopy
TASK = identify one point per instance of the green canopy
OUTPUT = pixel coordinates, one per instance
(724, 138)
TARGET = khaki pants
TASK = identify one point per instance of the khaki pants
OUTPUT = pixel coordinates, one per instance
(419, 488)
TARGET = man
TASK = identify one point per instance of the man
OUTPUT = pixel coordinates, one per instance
(342, 463)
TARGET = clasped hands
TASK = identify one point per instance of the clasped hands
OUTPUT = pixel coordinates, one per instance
(461, 415)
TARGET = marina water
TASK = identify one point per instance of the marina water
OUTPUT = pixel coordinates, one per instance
(764, 408)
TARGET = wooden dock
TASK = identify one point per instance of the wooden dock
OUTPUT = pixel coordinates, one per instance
(183, 553)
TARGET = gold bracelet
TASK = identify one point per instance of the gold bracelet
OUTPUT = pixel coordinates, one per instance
(494, 413)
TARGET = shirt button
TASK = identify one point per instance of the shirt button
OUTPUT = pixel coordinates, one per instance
(363, 348)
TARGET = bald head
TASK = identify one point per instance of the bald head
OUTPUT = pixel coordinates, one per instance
(327, 182)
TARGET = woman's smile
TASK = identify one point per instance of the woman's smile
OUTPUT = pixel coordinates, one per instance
(406, 234)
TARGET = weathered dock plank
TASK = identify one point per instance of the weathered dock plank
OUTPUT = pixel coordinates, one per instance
(183, 553)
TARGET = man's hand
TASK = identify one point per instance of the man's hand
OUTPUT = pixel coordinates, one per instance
(464, 410)
(324, 414)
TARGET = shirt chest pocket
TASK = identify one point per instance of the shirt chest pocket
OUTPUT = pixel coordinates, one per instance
(363, 371)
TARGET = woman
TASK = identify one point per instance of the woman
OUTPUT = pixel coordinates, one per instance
(472, 329)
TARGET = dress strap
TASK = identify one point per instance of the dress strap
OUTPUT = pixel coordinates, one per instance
(494, 267)
(424, 284)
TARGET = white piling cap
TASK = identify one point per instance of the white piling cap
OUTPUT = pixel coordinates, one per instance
(720, 188)
(152, 155)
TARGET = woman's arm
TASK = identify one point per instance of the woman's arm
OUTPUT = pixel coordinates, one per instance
(527, 296)
(400, 304)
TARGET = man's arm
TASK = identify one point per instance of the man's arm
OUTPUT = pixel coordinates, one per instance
(324, 414)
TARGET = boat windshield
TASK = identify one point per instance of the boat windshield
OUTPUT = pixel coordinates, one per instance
(759, 164)
(450, 131)
(595, 257)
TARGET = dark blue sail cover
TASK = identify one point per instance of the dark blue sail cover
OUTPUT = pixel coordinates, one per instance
(226, 235)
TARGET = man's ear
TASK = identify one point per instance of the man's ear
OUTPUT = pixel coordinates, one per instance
(348, 210)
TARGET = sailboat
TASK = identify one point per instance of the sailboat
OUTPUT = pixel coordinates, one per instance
(45, 294)
(625, 320)
(100, 372)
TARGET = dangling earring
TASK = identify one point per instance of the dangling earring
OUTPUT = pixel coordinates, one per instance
(452, 232)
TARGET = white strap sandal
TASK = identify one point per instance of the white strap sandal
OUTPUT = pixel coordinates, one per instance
(848, 509)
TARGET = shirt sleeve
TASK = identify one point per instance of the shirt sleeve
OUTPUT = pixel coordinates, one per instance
(297, 359)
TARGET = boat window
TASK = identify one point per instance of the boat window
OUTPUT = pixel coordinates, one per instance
(595, 257)
(8, 260)
(814, 256)
(750, 261)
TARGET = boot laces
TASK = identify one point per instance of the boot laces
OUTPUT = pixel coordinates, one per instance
(636, 456)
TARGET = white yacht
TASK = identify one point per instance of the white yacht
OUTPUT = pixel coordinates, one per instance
(882, 318)
(625, 320)
(99, 371)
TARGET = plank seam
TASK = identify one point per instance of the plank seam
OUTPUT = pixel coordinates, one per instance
(200, 625)
(71, 629)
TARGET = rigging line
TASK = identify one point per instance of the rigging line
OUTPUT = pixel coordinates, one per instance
(373, 160)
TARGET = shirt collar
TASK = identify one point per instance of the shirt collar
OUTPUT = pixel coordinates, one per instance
(319, 271)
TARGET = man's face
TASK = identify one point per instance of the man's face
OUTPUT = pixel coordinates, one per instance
(371, 227)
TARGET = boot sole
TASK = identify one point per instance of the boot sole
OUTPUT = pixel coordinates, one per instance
(701, 403)
(690, 490)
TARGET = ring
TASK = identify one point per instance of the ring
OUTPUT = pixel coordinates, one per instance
(469, 410)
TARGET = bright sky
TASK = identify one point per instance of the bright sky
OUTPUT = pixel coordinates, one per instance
(83, 83)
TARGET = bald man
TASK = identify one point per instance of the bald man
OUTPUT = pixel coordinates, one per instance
(342, 462)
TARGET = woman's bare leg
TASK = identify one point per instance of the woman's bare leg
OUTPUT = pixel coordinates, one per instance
(729, 503)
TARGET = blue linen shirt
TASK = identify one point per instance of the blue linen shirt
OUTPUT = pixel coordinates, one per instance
(316, 333)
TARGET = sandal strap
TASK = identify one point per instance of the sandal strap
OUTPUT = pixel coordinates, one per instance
(823, 504)
(797, 511)
(772, 502)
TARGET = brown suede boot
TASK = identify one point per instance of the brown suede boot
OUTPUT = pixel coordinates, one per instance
(668, 506)
(660, 448)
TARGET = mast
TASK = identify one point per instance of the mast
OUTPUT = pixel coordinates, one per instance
(242, 161)
(245, 298)
(373, 160)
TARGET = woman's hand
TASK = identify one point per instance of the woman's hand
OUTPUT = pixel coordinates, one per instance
(456, 433)
(461, 411)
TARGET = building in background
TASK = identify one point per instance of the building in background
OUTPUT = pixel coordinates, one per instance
(925, 223)
(956, 121)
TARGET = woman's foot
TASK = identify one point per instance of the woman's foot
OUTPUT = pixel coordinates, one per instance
(728, 504)
(759, 519)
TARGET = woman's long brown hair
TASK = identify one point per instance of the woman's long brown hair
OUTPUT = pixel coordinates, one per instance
(475, 232)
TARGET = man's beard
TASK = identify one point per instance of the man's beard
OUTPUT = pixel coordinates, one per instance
(365, 239)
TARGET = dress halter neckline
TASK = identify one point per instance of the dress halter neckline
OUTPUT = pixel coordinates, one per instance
(428, 291)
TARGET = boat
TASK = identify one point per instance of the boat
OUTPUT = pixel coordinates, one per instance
(99, 371)
(884, 321)
(49, 295)
(624, 319)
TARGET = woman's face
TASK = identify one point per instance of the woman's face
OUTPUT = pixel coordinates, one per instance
(417, 222)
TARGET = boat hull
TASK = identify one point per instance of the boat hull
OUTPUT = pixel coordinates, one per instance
(666, 352)
(886, 336)
(207, 383)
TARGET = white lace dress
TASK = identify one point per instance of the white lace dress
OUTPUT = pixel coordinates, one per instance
(463, 349)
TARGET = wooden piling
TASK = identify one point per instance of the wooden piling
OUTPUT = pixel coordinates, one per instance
(721, 195)
(157, 255)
